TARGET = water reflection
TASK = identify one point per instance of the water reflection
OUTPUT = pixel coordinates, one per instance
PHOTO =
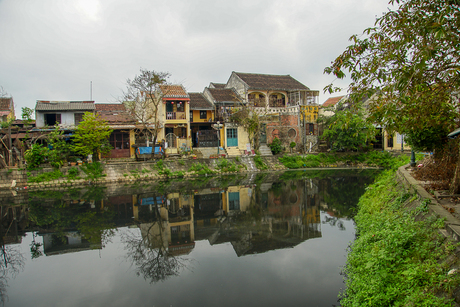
(161, 221)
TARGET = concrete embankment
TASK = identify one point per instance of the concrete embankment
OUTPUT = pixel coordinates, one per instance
(452, 229)
(132, 171)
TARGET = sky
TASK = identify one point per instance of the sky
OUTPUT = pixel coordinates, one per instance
(87, 49)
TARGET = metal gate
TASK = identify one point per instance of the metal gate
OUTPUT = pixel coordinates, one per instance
(207, 138)
(171, 139)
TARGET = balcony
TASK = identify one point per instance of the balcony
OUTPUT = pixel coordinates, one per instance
(175, 116)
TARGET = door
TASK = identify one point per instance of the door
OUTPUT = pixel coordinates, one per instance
(263, 133)
(234, 200)
(232, 137)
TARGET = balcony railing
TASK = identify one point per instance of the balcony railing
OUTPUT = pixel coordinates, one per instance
(175, 115)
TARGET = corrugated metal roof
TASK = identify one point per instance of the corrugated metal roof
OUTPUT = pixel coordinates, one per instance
(64, 106)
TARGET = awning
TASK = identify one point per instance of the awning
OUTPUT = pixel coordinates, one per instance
(454, 133)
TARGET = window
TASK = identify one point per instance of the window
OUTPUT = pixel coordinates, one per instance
(119, 140)
(78, 118)
(52, 119)
(180, 106)
(203, 115)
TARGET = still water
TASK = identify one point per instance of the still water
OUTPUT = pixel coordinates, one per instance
(266, 239)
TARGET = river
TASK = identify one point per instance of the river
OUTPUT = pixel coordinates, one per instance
(262, 239)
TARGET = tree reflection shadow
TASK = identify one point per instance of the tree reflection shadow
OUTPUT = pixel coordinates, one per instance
(11, 264)
(149, 252)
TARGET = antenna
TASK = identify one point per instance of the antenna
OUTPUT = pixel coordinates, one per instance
(91, 90)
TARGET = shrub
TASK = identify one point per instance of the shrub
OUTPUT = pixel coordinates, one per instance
(275, 146)
(36, 155)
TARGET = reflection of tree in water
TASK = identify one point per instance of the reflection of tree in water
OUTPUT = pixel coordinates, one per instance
(334, 221)
(11, 264)
(149, 252)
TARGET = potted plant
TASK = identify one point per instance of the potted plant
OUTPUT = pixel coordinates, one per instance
(292, 145)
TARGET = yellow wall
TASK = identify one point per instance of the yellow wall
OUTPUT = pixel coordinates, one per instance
(396, 143)
(197, 119)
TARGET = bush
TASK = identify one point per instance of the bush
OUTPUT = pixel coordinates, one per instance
(36, 155)
(275, 146)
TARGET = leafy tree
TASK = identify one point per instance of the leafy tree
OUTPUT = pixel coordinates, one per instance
(410, 60)
(27, 114)
(143, 99)
(92, 136)
(348, 130)
(59, 148)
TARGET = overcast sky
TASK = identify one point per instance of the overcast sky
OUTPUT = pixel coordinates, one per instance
(53, 49)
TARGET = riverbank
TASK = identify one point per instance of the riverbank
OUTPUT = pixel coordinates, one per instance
(406, 249)
(116, 171)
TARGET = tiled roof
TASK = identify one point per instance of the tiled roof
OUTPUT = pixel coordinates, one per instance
(110, 107)
(114, 113)
(199, 102)
(43, 105)
(173, 91)
(216, 85)
(224, 95)
(271, 82)
(5, 103)
(332, 101)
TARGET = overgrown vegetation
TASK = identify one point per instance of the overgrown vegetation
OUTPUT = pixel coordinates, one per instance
(226, 166)
(260, 164)
(93, 171)
(397, 259)
(372, 158)
(276, 146)
(200, 169)
(48, 176)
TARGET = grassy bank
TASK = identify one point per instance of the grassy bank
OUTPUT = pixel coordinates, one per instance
(372, 158)
(398, 257)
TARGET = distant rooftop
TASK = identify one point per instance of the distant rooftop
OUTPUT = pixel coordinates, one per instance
(45, 105)
(332, 101)
(271, 82)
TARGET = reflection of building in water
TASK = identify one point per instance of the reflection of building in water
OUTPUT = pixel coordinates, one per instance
(167, 220)
(67, 242)
(258, 219)
(14, 222)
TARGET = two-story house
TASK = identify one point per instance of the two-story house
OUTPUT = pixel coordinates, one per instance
(201, 120)
(278, 100)
(227, 101)
(174, 117)
(66, 114)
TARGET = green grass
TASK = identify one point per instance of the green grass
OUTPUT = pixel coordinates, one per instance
(372, 158)
(397, 259)
(260, 164)
(44, 177)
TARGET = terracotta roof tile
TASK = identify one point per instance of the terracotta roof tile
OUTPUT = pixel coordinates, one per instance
(332, 101)
(114, 113)
(173, 91)
(110, 107)
(224, 95)
(5, 103)
(271, 82)
(199, 102)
